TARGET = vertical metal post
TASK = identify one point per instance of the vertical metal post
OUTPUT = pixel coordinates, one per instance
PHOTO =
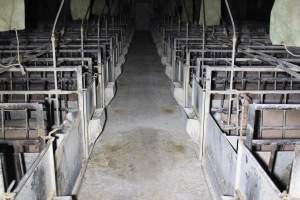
(206, 112)
(55, 79)
(173, 50)
(294, 192)
(238, 169)
(81, 104)
(2, 123)
(250, 126)
(113, 61)
(82, 45)
(186, 79)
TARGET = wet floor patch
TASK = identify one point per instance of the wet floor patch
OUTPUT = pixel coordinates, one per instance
(144, 164)
(139, 154)
(166, 110)
(145, 155)
(121, 111)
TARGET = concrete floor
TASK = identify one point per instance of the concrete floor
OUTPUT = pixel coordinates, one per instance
(144, 152)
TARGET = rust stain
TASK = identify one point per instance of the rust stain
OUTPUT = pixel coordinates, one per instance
(121, 111)
(167, 110)
(175, 148)
(134, 154)
(179, 148)
(113, 148)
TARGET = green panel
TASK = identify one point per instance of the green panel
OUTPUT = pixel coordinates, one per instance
(212, 12)
(285, 23)
(79, 8)
(12, 15)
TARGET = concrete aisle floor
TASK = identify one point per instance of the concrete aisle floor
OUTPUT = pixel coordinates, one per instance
(144, 152)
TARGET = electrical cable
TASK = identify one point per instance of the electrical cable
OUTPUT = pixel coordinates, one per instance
(6, 67)
(57, 16)
(18, 54)
(53, 33)
(291, 53)
(203, 36)
(234, 38)
(82, 34)
(234, 41)
(55, 59)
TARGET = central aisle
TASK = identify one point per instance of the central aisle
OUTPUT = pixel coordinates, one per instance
(144, 152)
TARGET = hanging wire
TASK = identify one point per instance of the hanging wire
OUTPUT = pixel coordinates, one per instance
(7, 67)
(290, 52)
(55, 60)
(203, 36)
(18, 54)
(99, 25)
(82, 34)
(18, 64)
(57, 17)
(234, 41)
(53, 33)
(234, 37)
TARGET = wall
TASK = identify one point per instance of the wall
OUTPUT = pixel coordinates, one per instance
(143, 11)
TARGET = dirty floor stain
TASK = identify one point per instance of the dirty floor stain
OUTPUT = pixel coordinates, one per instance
(144, 152)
